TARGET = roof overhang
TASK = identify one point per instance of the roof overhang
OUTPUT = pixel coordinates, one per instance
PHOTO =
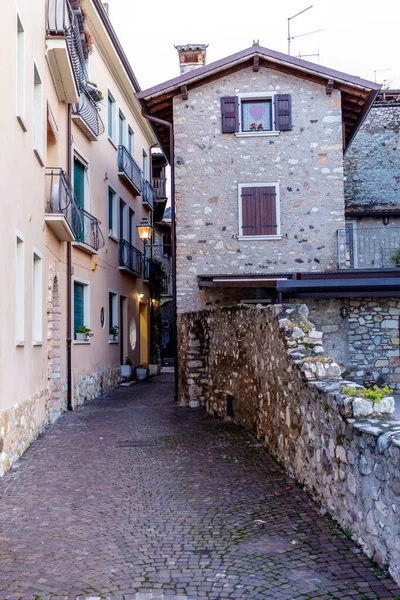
(357, 94)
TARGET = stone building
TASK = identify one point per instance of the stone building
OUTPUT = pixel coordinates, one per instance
(75, 182)
(259, 145)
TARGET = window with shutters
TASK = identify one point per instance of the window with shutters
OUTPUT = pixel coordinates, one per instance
(112, 214)
(259, 214)
(256, 114)
(81, 306)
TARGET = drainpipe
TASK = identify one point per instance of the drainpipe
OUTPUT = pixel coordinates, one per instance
(69, 276)
(173, 237)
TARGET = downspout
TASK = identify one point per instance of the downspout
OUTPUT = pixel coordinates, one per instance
(173, 238)
(69, 275)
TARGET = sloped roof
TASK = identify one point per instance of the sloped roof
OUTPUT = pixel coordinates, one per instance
(357, 94)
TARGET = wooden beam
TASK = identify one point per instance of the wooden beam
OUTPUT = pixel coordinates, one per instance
(256, 63)
(184, 92)
(329, 87)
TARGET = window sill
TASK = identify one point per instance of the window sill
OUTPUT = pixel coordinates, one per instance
(38, 156)
(37, 343)
(256, 238)
(112, 143)
(82, 342)
(257, 133)
(21, 121)
(20, 343)
(112, 237)
(113, 341)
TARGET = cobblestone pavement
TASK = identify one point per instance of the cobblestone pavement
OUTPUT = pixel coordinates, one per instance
(132, 498)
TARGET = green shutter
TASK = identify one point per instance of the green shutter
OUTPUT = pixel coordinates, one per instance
(78, 305)
(79, 183)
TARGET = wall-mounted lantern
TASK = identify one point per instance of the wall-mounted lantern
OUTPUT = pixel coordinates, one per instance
(144, 229)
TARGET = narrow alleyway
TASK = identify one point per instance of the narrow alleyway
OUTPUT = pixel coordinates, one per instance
(131, 497)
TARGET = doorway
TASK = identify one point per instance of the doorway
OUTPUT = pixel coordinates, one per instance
(144, 333)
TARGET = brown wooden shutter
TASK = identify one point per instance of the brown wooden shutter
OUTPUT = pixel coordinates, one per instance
(230, 114)
(259, 211)
(283, 112)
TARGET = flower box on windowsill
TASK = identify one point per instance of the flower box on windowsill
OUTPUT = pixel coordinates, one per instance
(94, 92)
(82, 337)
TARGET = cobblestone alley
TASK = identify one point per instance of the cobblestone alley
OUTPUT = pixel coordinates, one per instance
(131, 497)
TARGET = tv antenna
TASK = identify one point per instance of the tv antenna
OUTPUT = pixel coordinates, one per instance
(290, 37)
(381, 71)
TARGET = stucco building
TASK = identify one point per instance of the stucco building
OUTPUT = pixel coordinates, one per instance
(75, 182)
(259, 145)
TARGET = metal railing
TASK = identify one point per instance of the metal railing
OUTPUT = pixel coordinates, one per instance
(88, 111)
(130, 258)
(61, 20)
(160, 186)
(149, 196)
(61, 200)
(129, 168)
(89, 230)
(59, 195)
(369, 248)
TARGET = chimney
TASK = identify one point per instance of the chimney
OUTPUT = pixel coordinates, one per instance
(191, 56)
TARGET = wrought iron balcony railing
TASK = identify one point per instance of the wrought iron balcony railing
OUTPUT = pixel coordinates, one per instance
(61, 200)
(87, 228)
(60, 203)
(367, 248)
(160, 186)
(129, 170)
(61, 21)
(149, 195)
(87, 110)
(130, 258)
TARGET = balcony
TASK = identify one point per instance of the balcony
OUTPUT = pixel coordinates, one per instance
(64, 51)
(60, 205)
(86, 116)
(68, 221)
(129, 171)
(130, 259)
(149, 196)
(160, 186)
(367, 248)
(88, 234)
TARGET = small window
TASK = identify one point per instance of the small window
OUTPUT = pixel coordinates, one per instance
(113, 315)
(112, 214)
(37, 299)
(145, 165)
(121, 129)
(166, 244)
(81, 306)
(131, 141)
(122, 220)
(111, 116)
(259, 211)
(19, 292)
(20, 75)
(38, 114)
(256, 113)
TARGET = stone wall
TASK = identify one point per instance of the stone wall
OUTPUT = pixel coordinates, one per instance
(371, 164)
(263, 364)
(306, 162)
(89, 387)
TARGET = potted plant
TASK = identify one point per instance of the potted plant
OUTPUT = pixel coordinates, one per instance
(126, 369)
(94, 92)
(83, 333)
(141, 372)
(395, 258)
(114, 331)
(253, 126)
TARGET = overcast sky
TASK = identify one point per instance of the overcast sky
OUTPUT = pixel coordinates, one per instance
(359, 37)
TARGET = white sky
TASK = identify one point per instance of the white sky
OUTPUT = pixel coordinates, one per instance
(359, 37)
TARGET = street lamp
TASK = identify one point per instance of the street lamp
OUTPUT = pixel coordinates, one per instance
(144, 230)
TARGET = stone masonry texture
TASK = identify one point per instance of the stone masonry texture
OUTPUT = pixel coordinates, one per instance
(306, 162)
(131, 497)
(372, 161)
(346, 456)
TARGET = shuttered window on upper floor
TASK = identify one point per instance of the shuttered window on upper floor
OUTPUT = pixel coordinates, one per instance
(256, 113)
